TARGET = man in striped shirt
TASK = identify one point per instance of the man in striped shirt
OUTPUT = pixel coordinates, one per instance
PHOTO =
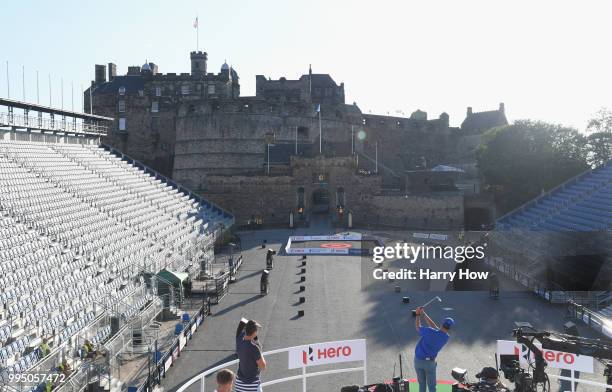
(251, 359)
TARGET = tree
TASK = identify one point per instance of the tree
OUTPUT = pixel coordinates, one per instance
(521, 160)
(599, 138)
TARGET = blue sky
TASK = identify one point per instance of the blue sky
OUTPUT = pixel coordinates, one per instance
(547, 60)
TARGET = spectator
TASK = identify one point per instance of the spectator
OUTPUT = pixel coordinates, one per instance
(187, 286)
(88, 349)
(64, 367)
(44, 348)
(225, 380)
(251, 359)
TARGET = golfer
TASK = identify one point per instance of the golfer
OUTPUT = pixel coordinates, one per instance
(427, 349)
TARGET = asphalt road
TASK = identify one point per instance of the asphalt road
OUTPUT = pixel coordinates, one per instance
(337, 309)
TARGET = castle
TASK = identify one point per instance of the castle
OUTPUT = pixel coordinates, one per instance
(295, 147)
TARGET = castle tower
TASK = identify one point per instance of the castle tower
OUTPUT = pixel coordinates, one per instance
(198, 63)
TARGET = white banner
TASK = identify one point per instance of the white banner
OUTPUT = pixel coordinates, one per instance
(317, 251)
(555, 359)
(335, 237)
(329, 352)
(432, 236)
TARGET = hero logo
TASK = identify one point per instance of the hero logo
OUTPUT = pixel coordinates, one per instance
(309, 356)
(549, 356)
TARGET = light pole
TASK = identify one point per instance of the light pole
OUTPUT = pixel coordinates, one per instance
(268, 163)
(376, 158)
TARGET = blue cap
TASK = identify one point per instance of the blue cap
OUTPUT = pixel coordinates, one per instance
(448, 322)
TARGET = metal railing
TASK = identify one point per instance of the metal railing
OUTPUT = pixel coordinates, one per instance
(51, 124)
(303, 376)
(532, 285)
(595, 320)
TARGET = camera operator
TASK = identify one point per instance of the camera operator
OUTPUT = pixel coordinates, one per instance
(427, 349)
(488, 380)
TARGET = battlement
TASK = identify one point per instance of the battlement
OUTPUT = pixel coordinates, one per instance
(316, 88)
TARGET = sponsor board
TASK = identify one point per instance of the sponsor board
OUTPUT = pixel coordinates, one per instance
(555, 359)
(317, 251)
(432, 236)
(337, 237)
(325, 353)
(168, 363)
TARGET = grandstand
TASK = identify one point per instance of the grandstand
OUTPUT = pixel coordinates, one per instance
(562, 240)
(582, 204)
(81, 233)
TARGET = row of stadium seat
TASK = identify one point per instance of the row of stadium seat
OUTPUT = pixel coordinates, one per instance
(583, 204)
(77, 226)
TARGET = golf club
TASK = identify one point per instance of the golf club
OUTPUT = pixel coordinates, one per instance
(427, 303)
(432, 300)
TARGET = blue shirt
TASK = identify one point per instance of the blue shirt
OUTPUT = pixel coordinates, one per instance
(431, 342)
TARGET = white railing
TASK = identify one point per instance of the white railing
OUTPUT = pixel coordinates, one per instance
(574, 381)
(55, 124)
(303, 376)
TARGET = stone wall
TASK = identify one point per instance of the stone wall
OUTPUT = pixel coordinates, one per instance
(435, 212)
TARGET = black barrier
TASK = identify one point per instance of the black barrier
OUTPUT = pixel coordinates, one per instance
(159, 372)
(221, 288)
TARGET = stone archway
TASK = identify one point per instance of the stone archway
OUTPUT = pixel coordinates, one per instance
(320, 201)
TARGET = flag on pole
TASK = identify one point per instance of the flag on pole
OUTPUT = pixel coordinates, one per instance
(195, 23)
(319, 108)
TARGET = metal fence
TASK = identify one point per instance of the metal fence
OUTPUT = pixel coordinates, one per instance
(52, 124)
(590, 318)
(159, 368)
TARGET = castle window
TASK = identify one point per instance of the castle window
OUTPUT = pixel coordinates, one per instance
(154, 106)
(122, 124)
(158, 91)
(303, 132)
(121, 90)
(121, 105)
(141, 93)
(185, 89)
(211, 89)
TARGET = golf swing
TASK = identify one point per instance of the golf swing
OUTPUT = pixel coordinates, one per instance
(432, 340)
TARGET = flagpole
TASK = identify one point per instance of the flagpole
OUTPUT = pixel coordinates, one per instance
(296, 137)
(8, 82)
(320, 132)
(197, 33)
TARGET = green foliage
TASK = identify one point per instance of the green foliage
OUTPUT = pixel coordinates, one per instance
(599, 140)
(521, 160)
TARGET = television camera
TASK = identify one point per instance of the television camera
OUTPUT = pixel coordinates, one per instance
(534, 377)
